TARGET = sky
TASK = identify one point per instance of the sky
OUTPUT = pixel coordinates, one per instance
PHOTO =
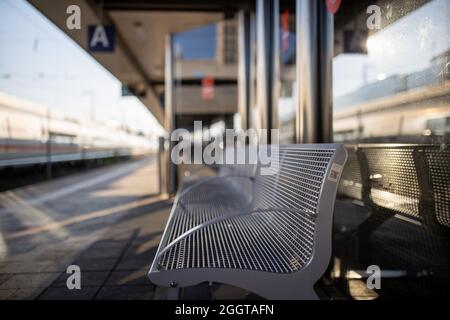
(38, 62)
(198, 43)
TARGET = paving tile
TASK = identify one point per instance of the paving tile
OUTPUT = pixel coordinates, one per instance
(133, 264)
(6, 293)
(107, 244)
(226, 292)
(126, 293)
(145, 250)
(58, 266)
(160, 293)
(4, 277)
(121, 236)
(24, 266)
(85, 293)
(359, 291)
(96, 264)
(25, 247)
(101, 253)
(20, 294)
(32, 280)
(198, 292)
(55, 254)
(128, 278)
(88, 279)
(35, 265)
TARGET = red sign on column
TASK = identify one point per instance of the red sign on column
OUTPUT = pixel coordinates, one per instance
(285, 31)
(333, 5)
(208, 88)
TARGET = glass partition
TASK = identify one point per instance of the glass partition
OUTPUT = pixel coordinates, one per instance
(393, 85)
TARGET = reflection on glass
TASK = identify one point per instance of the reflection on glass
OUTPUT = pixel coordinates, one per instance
(400, 90)
(392, 88)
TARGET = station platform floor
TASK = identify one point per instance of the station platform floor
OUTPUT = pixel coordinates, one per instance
(108, 221)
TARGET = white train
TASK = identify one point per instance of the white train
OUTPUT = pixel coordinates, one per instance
(31, 134)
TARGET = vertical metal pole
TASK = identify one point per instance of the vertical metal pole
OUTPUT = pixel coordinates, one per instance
(49, 148)
(264, 25)
(244, 68)
(314, 25)
(161, 174)
(169, 116)
(326, 49)
(252, 121)
(306, 71)
(276, 61)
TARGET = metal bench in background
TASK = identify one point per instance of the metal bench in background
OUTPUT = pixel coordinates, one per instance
(411, 181)
(269, 234)
(404, 220)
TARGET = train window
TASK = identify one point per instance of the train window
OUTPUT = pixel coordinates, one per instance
(62, 138)
(287, 92)
(440, 126)
(391, 71)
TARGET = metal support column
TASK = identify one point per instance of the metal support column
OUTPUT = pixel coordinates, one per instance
(326, 50)
(244, 68)
(314, 25)
(169, 115)
(264, 25)
(161, 173)
(276, 64)
(48, 147)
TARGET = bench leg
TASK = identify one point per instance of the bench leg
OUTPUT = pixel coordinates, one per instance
(173, 293)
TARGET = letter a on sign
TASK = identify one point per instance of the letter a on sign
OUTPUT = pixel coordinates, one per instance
(101, 38)
(333, 5)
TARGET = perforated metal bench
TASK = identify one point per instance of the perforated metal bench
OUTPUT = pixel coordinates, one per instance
(403, 179)
(269, 234)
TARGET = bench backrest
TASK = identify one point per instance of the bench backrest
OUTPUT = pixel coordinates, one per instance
(296, 179)
(293, 180)
(232, 168)
(437, 163)
(351, 181)
(304, 183)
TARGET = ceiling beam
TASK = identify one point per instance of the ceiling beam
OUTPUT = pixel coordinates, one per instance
(178, 5)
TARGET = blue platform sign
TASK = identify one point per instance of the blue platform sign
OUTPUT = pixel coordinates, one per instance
(101, 38)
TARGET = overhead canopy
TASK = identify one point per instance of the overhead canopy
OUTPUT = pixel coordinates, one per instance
(141, 26)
